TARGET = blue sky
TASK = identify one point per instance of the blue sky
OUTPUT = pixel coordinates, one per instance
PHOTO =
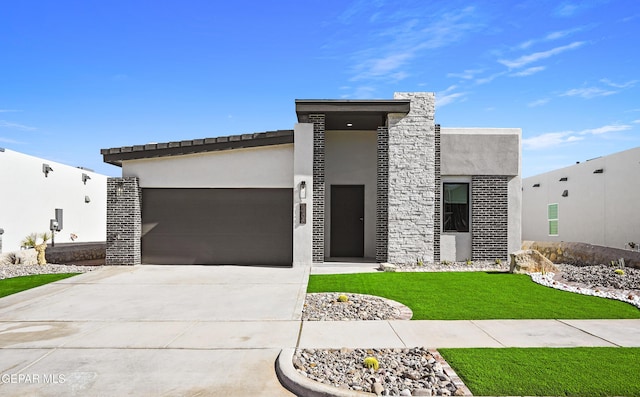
(78, 76)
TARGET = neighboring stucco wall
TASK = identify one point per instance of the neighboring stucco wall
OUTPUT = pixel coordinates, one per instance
(600, 209)
(412, 180)
(303, 171)
(261, 167)
(350, 159)
(29, 200)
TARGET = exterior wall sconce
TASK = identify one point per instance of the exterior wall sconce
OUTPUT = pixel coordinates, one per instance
(119, 188)
(565, 193)
(598, 171)
(563, 179)
(87, 199)
(46, 169)
(85, 178)
(303, 190)
(536, 185)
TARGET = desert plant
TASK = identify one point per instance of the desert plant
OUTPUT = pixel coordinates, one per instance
(343, 298)
(468, 262)
(446, 262)
(371, 362)
(619, 272)
(32, 239)
(497, 261)
(419, 262)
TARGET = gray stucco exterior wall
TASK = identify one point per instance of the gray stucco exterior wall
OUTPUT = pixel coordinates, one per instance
(411, 191)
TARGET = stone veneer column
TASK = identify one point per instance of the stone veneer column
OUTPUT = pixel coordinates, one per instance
(437, 214)
(318, 186)
(382, 195)
(489, 217)
(124, 221)
(412, 180)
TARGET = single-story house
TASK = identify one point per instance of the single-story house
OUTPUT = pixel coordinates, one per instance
(36, 190)
(371, 179)
(593, 202)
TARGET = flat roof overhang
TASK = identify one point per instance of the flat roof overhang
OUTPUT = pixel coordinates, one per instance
(366, 114)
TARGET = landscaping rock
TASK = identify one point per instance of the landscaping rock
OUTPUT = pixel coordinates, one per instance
(530, 261)
(27, 257)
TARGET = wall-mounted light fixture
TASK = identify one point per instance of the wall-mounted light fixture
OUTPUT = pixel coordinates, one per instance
(598, 171)
(46, 169)
(565, 193)
(303, 190)
(563, 179)
(87, 199)
(85, 178)
(119, 188)
(536, 185)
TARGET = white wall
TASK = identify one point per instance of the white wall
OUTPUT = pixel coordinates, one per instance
(351, 159)
(260, 167)
(599, 209)
(29, 199)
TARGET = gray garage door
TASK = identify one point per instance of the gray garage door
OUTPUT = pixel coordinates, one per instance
(217, 226)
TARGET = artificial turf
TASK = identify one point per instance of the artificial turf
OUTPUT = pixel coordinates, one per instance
(578, 371)
(474, 296)
(13, 285)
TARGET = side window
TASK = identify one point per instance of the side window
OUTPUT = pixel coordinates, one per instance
(552, 218)
(456, 207)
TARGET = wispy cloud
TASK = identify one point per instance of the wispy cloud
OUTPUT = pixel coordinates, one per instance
(7, 124)
(627, 84)
(588, 92)
(447, 96)
(536, 56)
(7, 140)
(466, 75)
(568, 8)
(551, 139)
(529, 71)
(560, 34)
(636, 121)
(8, 110)
(488, 79)
(539, 102)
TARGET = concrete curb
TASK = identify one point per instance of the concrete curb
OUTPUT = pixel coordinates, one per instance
(303, 386)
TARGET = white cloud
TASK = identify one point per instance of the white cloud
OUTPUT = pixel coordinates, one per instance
(551, 139)
(489, 79)
(539, 102)
(529, 71)
(550, 37)
(466, 75)
(7, 140)
(536, 56)
(6, 124)
(610, 83)
(588, 92)
(636, 121)
(444, 100)
(8, 110)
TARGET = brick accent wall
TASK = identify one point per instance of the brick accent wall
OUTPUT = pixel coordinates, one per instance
(318, 186)
(124, 221)
(489, 217)
(411, 180)
(437, 214)
(382, 195)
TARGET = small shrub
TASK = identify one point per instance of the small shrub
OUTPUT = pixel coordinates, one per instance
(419, 262)
(619, 272)
(371, 362)
(446, 262)
(32, 240)
(497, 261)
(343, 298)
(468, 262)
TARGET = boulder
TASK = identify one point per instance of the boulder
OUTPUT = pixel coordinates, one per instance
(26, 257)
(530, 261)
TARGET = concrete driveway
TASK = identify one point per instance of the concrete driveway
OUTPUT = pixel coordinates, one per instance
(152, 331)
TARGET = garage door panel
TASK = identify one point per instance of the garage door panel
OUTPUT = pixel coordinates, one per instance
(217, 226)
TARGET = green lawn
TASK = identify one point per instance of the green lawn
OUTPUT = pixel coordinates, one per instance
(474, 296)
(13, 285)
(579, 371)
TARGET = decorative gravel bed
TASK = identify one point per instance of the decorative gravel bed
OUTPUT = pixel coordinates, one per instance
(328, 307)
(8, 271)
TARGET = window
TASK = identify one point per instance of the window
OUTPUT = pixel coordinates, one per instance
(552, 217)
(456, 207)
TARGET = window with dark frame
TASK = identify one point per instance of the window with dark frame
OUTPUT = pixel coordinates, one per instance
(456, 207)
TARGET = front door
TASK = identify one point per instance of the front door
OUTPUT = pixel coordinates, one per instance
(347, 221)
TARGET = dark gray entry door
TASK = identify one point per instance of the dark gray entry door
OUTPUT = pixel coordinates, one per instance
(347, 221)
(217, 226)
